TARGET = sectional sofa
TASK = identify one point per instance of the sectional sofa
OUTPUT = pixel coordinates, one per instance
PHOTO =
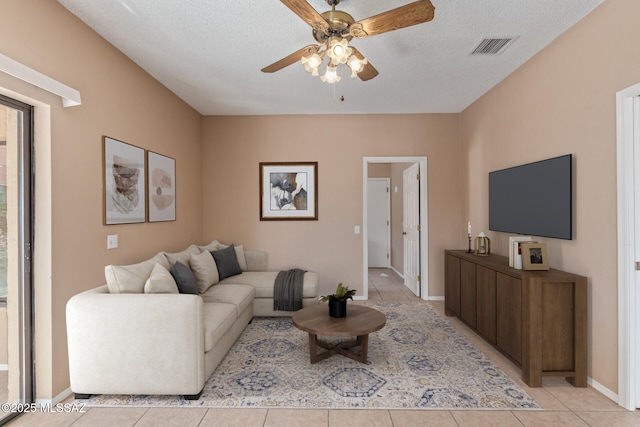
(147, 331)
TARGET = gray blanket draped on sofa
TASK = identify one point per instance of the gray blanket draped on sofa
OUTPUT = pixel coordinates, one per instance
(287, 290)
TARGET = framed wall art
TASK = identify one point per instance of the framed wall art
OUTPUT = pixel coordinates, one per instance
(534, 256)
(124, 182)
(161, 187)
(288, 191)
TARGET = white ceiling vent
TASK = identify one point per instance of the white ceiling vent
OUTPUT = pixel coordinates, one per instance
(493, 46)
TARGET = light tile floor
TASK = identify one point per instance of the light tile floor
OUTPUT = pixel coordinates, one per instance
(563, 404)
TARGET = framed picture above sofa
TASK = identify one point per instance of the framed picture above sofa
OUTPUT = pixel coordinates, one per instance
(288, 191)
(161, 187)
(124, 182)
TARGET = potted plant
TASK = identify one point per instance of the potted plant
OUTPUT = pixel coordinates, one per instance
(338, 300)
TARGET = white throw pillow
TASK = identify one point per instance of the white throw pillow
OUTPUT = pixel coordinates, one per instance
(182, 256)
(204, 269)
(213, 246)
(131, 278)
(160, 281)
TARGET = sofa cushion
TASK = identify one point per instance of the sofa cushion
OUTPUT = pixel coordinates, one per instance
(218, 318)
(160, 281)
(263, 282)
(240, 254)
(227, 262)
(184, 278)
(240, 296)
(204, 269)
(213, 246)
(242, 261)
(182, 256)
(131, 278)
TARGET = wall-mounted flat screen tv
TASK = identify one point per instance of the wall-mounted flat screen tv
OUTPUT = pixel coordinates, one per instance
(533, 199)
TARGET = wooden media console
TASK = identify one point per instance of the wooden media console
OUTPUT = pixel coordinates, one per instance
(537, 319)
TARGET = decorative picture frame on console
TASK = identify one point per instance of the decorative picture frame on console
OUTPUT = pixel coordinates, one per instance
(534, 256)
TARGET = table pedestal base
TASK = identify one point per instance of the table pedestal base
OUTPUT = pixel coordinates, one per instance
(343, 349)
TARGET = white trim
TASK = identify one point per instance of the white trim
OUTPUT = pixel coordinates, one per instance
(440, 298)
(57, 399)
(424, 226)
(628, 317)
(397, 272)
(70, 96)
(4, 367)
(602, 389)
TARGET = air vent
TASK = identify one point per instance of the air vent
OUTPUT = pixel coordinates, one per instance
(492, 46)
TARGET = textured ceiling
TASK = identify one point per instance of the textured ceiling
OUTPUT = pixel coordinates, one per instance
(210, 52)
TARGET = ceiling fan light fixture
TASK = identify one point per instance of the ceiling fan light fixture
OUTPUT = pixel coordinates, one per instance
(356, 65)
(339, 50)
(331, 75)
(311, 63)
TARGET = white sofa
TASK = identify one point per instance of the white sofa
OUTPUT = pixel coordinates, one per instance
(123, 340)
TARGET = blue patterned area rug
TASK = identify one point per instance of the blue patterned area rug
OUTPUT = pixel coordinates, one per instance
(417, 361)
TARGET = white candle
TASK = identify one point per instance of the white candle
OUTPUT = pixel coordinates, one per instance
(469, 228)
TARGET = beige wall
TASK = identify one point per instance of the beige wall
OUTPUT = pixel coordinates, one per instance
(563, 101)
(379, 170)
(119, 100)
(234, 146)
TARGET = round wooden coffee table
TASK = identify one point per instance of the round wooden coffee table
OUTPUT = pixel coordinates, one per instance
(359, 322)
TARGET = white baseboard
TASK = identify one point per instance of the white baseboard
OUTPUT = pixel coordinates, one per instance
(436, 298)
(602, 389)
(397, 272)
(4, 367)
(57, 399)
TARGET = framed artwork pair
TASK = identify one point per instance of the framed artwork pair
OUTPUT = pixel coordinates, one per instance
(138, 186)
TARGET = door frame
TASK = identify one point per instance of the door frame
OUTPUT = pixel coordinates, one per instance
(424, 233)
(388, 182)
(628, 294)
(22, 357)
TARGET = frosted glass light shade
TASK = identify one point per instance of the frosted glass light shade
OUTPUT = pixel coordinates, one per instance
(356, 65)
(339, 51)
(331, 76)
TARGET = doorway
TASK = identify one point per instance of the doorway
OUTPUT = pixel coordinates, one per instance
(16, 359)
(396, 261)
(628, 153)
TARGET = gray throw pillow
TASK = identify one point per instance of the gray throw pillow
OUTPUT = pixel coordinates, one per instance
(184, 278)
(227, 262)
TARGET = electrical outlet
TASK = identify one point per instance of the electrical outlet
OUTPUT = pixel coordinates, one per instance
(356, 229)
(112, 241)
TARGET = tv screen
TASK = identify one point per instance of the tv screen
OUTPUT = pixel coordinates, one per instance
(533, 199)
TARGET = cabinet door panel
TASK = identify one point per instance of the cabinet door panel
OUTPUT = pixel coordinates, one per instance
(468, 292)
(452, 286)
(509, 316)
(486, 303)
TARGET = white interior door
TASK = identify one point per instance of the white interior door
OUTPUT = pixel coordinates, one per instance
(378, 225)
(411, 227)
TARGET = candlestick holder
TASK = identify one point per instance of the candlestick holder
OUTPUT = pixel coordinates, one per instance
(469, 251)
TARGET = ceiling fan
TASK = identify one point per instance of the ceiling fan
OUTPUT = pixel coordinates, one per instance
(334, 29)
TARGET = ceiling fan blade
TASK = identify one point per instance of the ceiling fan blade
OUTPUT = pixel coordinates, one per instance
(288, 60)
(414, 13)
(369, 70)
(308, 14)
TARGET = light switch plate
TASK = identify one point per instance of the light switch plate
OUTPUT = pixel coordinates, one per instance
(112, 241)
(356, 229)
